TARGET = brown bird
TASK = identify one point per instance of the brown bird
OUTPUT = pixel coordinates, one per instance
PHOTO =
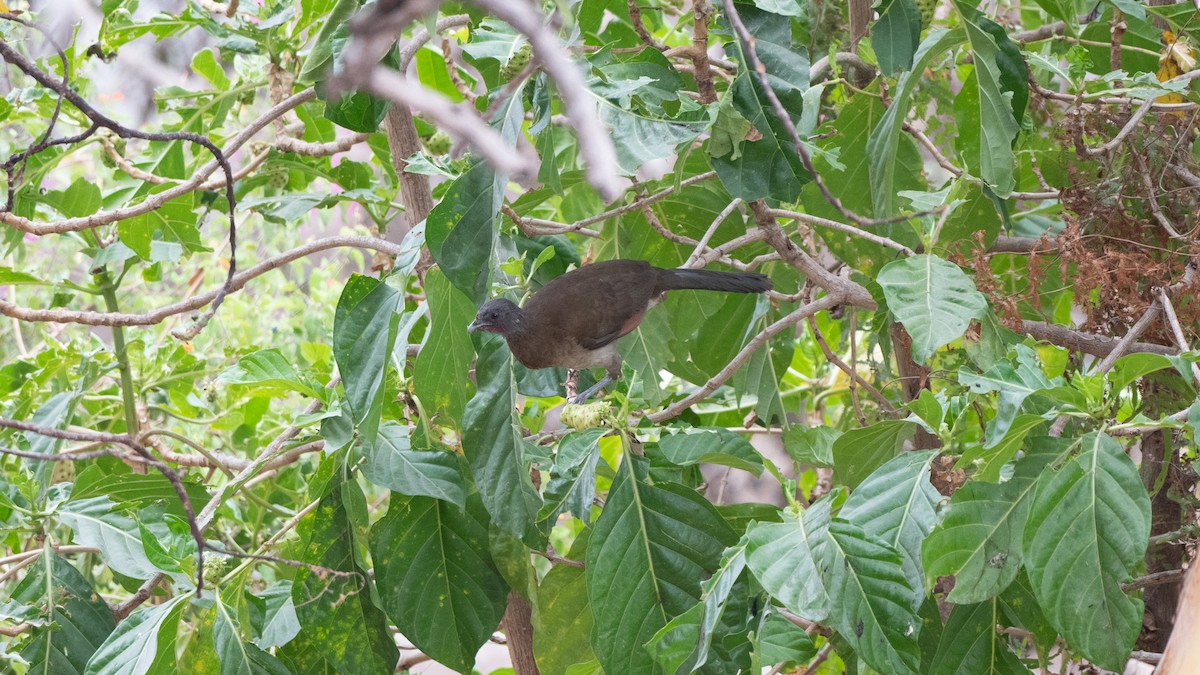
(575, 320)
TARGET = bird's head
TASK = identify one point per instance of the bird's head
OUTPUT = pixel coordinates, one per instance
(497, 316)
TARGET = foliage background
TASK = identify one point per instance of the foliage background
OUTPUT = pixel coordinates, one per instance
(981, 225)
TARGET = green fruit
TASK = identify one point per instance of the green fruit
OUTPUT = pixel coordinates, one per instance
(278, 180)
(926, 8)
(214, 566)
(517, 62)
(438, 144)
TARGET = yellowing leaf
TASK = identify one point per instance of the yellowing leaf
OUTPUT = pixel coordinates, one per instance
(1175, 59)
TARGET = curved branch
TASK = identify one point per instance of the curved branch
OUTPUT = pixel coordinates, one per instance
(239, 280)
(828, 302)
(156, 200)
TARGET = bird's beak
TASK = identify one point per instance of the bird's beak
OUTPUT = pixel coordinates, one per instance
(474, 326)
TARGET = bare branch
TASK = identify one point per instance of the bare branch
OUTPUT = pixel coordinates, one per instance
(841, 227)
(92, 318)
(457, 119)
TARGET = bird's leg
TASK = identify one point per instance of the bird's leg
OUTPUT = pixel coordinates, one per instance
(572, 383)
(580, 399)
(612, 372)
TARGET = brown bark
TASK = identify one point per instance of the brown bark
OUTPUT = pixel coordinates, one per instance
(415, 191)
(1165, 516)
(518, 634)
(913, 378)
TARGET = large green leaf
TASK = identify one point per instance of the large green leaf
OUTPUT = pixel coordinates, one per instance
(494, 448)
(101, 524)
(987, 125)
(461, 230)
(769, 167)
(933, 299)
(896, 34)
(849, 177)
(564, 617)
(440, 372)
(786, 559)
(142, 644)
(1087, 531)
(337, 611)
(859, 452)
(436, 579)
(870, 598)
(884, 144)
(364, 332)
(897, 503)
(651, 547)
(393, 464)
(81, 620)
(979, 541)
(711, 446)
(970, 643)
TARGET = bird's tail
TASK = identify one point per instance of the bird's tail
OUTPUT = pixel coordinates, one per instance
(711, 280)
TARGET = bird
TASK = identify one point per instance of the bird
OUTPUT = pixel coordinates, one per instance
(575, 320)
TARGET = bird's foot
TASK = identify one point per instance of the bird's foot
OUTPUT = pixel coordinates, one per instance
(586, 394)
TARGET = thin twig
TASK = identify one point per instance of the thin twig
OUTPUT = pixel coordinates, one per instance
(789, 321)
(92, 318)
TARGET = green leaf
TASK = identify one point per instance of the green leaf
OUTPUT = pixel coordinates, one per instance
(492, 443)
(572, 486)
(563, 616)
(1131, 367)
(770, 166)
(979, 541)
(393, 464)
(711, 445)
(81, 199)
(239, 657)
(810, 445)
(143, 643)
(364, 331)
(647, 351)
(100, 524)
(71, 620)
(970, 643)
(351, 631)
(897, 503)
(781, 641)
(436, 579)
(173, 222)
(279, 622)
(896, 34)
(646, 557)
(1087, 531)
(204, 63)
(858, 452)
(989, 116)
(1014, 382)
(786, 558)
(461, 230)
(440, 374)
(933, 299)
(870, 598)
(884, 143)
(268, 368)
(674, 645)
(989, 462)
